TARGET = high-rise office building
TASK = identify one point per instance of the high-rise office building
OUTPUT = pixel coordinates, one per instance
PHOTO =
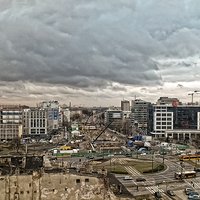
(52, 108)
(125, 105)
(180, 122)
(114, 118)
(140, 114)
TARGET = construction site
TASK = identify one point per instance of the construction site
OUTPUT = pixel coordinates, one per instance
(53, 171)
(78, 168)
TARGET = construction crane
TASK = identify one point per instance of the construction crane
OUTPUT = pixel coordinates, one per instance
(101, 132)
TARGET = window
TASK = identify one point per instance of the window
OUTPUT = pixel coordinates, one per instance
(78, 180)
(87, 180)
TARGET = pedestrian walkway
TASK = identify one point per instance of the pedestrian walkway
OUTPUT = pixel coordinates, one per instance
(153, 189)
(131, 170)
(195, 183)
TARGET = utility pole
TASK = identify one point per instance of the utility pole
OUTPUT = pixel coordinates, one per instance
(152, 161)
(181, 163)
(163, 158)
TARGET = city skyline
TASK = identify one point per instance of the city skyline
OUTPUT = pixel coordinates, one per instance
(97, 53)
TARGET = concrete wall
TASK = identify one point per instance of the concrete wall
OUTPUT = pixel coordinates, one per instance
(53, 187)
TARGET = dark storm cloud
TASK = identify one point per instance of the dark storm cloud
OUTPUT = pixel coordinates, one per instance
(90, 46)
(80, 43)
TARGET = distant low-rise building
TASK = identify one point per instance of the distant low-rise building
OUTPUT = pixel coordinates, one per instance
(10, 121)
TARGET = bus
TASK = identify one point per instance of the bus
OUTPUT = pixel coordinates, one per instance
(189, 157)
(184, 174)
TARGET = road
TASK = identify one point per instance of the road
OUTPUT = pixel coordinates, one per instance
(159, 181)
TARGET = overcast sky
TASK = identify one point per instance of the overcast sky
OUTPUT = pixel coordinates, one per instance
(98, 52)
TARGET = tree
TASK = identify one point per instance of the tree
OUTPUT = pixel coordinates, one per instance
(76, 117)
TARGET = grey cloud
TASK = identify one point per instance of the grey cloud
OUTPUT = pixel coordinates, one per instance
(78, 44)
(89, 45)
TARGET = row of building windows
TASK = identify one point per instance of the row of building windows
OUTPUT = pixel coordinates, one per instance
(8, 135)
(38, 123)
(163, 119)
(38, 115)
(163, 114)
(38, 131)
(163, 127)
(164, 123)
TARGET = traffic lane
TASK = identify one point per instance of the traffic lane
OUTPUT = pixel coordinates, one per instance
(180, 195)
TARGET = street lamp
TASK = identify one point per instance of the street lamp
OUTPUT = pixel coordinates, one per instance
(181, 163)
(165, 185)
(152, 160)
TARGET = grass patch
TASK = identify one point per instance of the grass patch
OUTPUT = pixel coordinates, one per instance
(116, 168)
(146, 167)
(141, 166)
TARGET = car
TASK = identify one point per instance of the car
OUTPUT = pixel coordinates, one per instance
(128, 178)
(193, 193)
(188, 190)
(170, 193)
(140, 179)
(197, 169)
(194, 197)
(53, 158)
(158, 195)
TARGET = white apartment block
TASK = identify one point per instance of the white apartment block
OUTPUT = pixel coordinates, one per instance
(10, 121)
(163, 120)
(35, 121)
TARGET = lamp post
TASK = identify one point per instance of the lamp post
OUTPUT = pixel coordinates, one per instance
(152, 160)
(181, 163)
(165, 185)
